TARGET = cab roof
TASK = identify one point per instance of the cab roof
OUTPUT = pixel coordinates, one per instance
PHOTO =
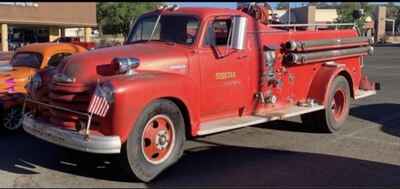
(204, 11)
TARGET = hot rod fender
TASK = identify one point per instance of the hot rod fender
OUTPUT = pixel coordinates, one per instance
(319, 89)
(133, 93)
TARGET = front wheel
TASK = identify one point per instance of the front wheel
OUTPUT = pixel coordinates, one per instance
(336, 111)
(12, 118)
(155, 142)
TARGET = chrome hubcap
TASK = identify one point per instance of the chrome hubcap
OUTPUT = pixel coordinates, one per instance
(162, 139)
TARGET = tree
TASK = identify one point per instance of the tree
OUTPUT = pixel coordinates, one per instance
(392, 11)
(345, 12)
(321, 5)
(115, 17)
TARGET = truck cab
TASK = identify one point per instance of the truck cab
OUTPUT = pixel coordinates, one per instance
(188, 72)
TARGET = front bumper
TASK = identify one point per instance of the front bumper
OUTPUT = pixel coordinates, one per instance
(72, 139)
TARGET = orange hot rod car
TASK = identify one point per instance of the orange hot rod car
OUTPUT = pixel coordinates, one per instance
(24, 64)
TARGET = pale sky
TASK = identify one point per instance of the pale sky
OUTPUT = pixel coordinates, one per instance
(233, 4)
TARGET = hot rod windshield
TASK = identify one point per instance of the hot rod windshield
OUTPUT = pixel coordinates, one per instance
(27, 59)
(180, 29)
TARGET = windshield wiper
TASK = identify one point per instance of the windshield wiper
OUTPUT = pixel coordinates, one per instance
(155, 25)
(163, 9)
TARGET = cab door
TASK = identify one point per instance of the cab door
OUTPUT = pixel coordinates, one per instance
(224, 78)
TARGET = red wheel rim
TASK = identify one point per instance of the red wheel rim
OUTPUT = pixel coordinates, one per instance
(158, 139)
(338, 104)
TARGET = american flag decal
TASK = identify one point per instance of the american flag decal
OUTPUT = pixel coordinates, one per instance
(98, 104)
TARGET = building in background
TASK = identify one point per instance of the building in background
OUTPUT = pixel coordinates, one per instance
(312, 15)
(29, 22)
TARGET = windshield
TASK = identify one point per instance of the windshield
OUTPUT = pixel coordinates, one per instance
(180, 29)
(27, 59)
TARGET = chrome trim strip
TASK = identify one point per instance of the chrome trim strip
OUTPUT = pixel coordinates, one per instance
(56, 107)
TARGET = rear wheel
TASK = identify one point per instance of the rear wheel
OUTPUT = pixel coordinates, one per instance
(336, 111)
(155, 142)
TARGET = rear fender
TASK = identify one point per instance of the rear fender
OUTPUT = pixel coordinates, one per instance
(134, 93)
(319, 90)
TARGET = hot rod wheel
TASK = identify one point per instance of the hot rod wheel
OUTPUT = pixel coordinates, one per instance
(11, 118)
(155, 142)
(336, 111)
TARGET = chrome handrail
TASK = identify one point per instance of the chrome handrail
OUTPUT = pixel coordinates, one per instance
(312, 25)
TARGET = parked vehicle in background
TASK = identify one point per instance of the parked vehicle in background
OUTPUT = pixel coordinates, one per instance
(24, 64)
(191, 72)
(5, 57)
(77, 41)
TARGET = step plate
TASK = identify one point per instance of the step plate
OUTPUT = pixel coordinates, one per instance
(288, 112)
(226, 124)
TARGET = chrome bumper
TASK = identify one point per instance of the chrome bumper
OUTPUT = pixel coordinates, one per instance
(72, 139)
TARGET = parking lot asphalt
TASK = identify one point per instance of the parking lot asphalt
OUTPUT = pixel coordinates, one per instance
(365, 153)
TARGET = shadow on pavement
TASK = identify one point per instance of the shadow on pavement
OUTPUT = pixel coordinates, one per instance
(285, 125)
(385, 114)
(210, 165)
(222, 165)
(22, 154)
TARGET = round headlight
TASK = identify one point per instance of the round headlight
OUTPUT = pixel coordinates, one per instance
(125, 65)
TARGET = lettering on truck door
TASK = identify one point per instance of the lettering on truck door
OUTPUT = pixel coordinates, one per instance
(223, 72)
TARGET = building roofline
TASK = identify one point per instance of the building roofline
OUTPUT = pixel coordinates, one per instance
(47, 23)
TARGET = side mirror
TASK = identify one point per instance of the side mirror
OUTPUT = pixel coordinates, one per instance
(239, 24)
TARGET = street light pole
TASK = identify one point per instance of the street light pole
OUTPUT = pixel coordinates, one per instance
(289, 13)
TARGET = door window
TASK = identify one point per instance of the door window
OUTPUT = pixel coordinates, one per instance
(219, 32)
(56, 59)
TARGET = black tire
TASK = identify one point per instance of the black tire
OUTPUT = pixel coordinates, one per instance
(325, 120)
(133, 157)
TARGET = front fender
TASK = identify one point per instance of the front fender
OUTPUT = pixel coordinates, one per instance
(134, 93)
(323, 80)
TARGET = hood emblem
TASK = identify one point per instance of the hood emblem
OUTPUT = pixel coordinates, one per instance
(62, 78)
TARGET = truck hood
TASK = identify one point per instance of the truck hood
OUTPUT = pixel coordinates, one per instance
(13, 79)
(159, 56)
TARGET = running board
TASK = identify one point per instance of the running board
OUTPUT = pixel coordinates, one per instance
(226, 124)
(364, 93)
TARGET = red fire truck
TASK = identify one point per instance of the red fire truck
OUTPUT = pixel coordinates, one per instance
(188, 72)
